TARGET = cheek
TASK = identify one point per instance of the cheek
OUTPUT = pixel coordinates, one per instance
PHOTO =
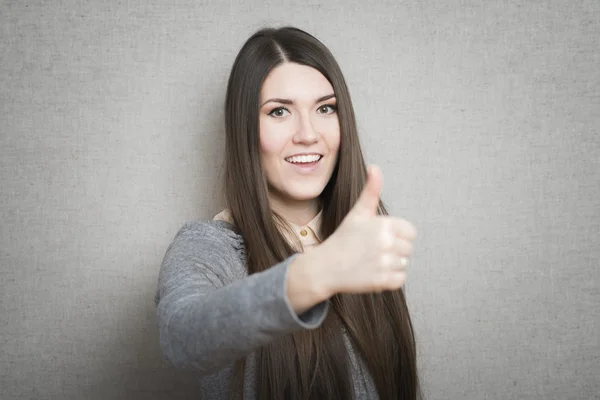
(336, 142)
(271, 143)
(333, 139)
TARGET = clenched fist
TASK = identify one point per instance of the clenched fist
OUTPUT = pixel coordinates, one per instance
(368, 252)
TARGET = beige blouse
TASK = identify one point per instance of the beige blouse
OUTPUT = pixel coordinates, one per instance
(308, 234)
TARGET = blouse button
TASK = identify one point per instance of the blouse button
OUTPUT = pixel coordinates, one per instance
(303, 232)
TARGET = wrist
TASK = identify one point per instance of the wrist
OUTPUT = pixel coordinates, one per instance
(314, 261)
(306, 286)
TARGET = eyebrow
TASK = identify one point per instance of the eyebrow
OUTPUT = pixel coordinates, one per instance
(287, 101)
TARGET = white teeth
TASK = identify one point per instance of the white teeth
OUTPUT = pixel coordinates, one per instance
(304, 159)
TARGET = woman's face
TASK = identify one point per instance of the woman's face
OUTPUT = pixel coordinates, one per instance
(299, 132)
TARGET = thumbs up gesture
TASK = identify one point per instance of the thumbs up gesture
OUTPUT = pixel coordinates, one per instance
(368, 252)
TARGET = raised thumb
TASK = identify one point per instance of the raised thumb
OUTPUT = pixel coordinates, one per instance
(368, 201)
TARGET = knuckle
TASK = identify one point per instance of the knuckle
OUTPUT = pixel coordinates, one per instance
(400, 279)
(384, 224)
(386, 242)
(385, 260)
(379, 281)
(387, 223)
(406, 229)
(373, 281)
(406, 248)
(395, 280)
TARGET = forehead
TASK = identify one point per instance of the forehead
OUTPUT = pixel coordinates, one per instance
(295, 82)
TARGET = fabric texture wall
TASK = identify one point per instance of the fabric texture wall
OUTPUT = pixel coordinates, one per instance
(484, 117)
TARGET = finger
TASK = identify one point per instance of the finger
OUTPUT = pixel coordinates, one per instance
(368, 201)
(389, 280)
(393, 262)
(402, 247)
(404, 229)
(400, 264)
(403, 261)
(396, 279)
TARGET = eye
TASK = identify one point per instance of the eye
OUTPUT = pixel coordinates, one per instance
(327, 109)
(279, 112)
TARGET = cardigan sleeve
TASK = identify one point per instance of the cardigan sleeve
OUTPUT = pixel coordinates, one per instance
(208, 320)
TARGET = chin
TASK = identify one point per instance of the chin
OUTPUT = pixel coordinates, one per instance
(304, 194)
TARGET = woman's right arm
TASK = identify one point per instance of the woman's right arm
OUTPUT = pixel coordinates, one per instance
(366, 253)
(206, 321)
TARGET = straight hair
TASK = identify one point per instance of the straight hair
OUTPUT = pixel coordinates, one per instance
(310, 364)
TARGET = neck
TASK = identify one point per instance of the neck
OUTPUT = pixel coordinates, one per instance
(299, 212)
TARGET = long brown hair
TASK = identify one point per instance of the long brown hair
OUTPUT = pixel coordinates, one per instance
(311, 364)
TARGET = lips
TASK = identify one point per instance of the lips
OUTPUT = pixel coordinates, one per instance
(307, 158)
(306, 167)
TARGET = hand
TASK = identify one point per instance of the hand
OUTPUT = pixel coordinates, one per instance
(368, 252)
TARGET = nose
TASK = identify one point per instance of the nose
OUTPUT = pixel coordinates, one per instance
(305, 131)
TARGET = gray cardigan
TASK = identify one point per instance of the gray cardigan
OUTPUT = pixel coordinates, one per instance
(211, 313)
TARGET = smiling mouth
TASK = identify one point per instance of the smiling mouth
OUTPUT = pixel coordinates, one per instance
(304, 159)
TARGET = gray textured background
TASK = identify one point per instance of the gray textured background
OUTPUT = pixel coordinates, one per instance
(484, 117)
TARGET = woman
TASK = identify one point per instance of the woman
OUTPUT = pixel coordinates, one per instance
(294, 290)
